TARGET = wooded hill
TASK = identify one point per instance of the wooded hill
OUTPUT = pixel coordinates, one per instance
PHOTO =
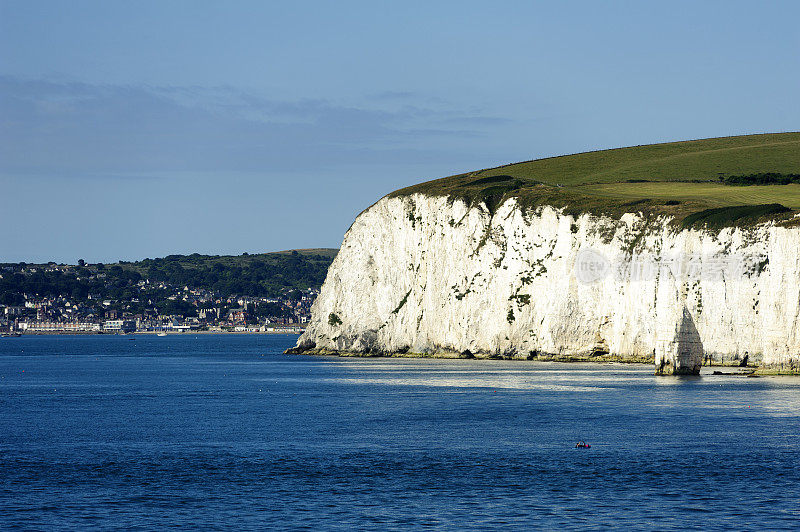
(257, 275)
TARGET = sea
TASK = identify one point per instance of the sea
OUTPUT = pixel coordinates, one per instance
(141, 432)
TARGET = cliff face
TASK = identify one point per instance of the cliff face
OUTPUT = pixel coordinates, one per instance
(424, 274)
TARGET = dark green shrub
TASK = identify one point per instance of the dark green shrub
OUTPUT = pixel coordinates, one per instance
(728, 216)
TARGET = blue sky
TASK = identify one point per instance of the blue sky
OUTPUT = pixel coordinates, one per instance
(140, 129)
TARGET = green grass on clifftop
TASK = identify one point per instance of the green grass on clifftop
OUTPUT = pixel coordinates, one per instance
(678, 179)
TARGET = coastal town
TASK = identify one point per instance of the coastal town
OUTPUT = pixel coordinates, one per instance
(233, 314)
(113, 301)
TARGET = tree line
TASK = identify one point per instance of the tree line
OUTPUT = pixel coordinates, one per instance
(764, 178)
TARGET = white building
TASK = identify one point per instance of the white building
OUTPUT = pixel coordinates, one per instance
(119, 326)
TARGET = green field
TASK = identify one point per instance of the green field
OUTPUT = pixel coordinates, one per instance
(711, 194)
(678, 179)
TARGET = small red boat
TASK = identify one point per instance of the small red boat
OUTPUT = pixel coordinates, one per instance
(582, 445)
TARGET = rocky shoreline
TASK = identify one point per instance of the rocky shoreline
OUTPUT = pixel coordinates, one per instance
(732, 367)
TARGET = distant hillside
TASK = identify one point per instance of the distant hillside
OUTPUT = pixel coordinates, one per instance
(264, 274)
(677, 179)
(258, 275)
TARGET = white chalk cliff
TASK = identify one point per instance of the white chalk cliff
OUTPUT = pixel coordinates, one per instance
(427, 274)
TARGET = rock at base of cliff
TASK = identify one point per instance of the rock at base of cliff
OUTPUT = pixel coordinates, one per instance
(680, 350)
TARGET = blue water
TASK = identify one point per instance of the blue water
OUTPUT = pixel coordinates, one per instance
(225, 432)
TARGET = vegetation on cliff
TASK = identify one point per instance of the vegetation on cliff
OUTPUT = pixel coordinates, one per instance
(677, 179)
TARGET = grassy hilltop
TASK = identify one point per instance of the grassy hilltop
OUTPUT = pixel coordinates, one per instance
(712, 181)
